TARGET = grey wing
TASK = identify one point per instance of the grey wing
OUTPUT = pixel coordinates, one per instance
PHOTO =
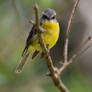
(31, 35)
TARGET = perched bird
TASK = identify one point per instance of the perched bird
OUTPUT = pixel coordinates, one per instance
(49, 23)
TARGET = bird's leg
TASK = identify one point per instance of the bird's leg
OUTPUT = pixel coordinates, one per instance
(35, 54)
(42, 55)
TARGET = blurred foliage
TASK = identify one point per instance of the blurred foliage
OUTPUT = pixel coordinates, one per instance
(13, 33)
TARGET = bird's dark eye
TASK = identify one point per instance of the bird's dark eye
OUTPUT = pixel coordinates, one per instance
(45, 17)
(53, 17)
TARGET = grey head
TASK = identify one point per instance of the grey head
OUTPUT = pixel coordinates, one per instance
(48, 14)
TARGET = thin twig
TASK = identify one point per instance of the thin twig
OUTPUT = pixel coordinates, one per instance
(67, 36)
(32, 22)
(68, 31)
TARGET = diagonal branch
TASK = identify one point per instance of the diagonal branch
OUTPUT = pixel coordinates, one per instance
(32, 22)
(81, 50)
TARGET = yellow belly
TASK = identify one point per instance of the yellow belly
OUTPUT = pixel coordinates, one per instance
(50, 36)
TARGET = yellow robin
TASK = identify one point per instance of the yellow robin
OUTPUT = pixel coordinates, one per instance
(49, 23)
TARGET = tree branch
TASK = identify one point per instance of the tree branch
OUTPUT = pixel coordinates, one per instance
(53, 71)
(67, 36)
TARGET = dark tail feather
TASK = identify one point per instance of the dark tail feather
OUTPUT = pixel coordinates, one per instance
(22, 63)
(25, 50)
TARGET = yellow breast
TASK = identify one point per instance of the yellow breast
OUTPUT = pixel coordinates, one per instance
(52, 33)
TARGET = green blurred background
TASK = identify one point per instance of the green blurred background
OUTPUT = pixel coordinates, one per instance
(14, 29)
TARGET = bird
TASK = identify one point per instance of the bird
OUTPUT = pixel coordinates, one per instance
(50, 24)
